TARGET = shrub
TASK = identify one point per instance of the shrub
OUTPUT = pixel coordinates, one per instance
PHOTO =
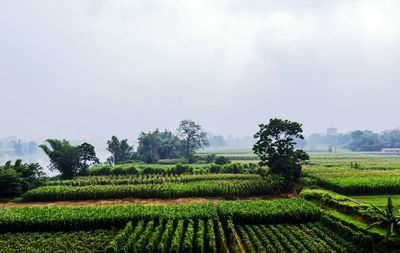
(221, 160)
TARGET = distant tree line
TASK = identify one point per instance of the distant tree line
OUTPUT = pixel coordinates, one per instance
(370, 141)
(358, 140)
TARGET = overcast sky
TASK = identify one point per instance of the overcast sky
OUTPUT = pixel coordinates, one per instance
(88, 69)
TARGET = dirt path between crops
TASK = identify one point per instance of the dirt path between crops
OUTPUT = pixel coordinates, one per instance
(154, 201)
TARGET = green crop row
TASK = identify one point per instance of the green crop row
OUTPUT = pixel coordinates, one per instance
(189, 235)
(212, 188)
(275, 211)
(144, 169)
(308, 237)
(149, 179)
(45, 218)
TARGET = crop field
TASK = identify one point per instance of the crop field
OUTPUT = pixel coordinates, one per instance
(217, 185)
(330, 216)
(48, 242)
(291, 225)
(351, 181)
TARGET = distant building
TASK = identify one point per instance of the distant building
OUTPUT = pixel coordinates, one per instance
(332, 131)
(391, 151)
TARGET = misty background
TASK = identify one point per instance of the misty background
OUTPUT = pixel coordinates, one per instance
(86, 70)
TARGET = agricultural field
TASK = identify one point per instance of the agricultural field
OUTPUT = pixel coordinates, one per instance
(290, 225)
(158, 186)
(330, 214)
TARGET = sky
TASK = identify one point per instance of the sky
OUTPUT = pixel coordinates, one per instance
(89, 69)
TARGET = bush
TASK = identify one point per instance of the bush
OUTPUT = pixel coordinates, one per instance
(232, 168)
(215, 168)
(118, 170)
(221, 160)
(181, 169)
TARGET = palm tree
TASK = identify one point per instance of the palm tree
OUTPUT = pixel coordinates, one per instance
(387, 219)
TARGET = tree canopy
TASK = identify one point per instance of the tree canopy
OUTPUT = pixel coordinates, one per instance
(276, 148)
(158, 145)
(68, 159)
(120, 151)
(193, 137)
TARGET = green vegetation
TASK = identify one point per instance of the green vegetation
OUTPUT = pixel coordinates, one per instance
(150, 179)
(276, 148)
(206, 188)
(120, 151)
(44, 218)
(192, 137)
(49, 242)
(355, 181)
(18, 178)
(68, 159)
(379, 201)
(147, 169)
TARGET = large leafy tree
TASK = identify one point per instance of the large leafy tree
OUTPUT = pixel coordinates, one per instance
(68, 159)
(192, 137)
(276, 148)
(87, 156)
(120, 151)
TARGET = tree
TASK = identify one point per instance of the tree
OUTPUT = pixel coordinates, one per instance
(387, 219)
(170, 145)
(192, 137)
(158, 145)
(276, 148)
(365, 141)
(149, 146)
(87, 157)
(68, 159)
(217, 141)
(121, 151)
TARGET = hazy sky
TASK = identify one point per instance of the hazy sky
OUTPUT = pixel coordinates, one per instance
(87, 69)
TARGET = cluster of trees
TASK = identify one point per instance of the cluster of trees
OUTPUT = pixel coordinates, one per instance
(18, 178)
(70, 160)
(358, 140)
(370, 141)
(157, 145)
(74, 160)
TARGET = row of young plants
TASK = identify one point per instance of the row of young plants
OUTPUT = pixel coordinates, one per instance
(181, 235)
(45, 218)
(149, 179)
(135, 169)
(209, 188)
(49, 242)
(212, 235)
(308, 237)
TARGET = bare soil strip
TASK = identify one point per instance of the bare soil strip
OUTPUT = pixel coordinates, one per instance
(154, 201)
